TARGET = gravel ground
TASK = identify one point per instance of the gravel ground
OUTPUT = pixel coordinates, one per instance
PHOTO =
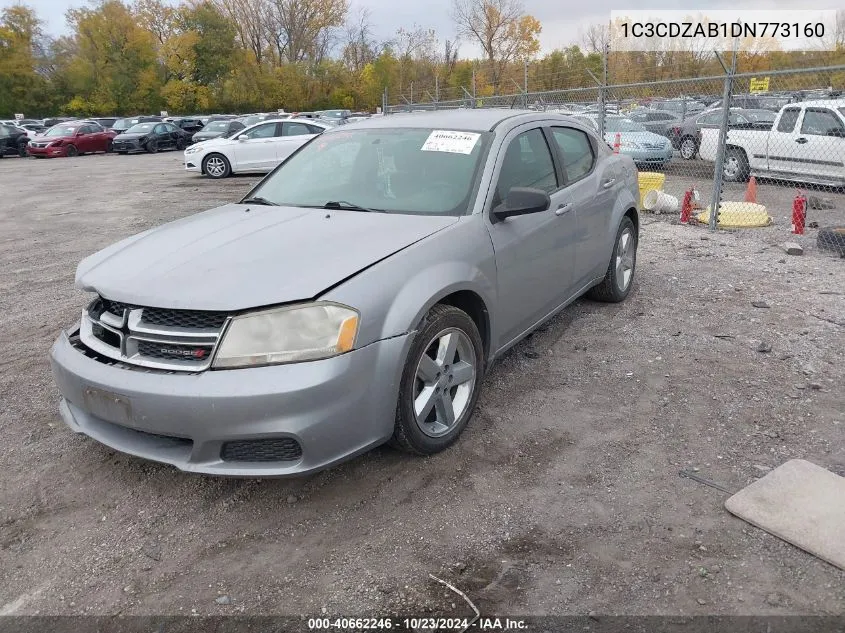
(562, 497)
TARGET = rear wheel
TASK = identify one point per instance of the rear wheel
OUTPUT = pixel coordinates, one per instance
(72, 151)
(216, 166)
(619, 277)
(736, 165)
(440, 382)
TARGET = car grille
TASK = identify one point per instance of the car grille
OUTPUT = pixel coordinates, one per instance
(156, 338)
(41, 145)
(285, 449)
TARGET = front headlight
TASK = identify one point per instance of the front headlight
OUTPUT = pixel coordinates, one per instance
(287, 335)
(193, 150)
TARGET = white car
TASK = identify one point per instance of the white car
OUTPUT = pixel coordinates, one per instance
(254, 149)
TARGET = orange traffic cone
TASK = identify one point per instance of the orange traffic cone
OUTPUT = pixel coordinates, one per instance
(751, 190)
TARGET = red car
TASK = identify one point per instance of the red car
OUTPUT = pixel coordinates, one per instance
(71, 139)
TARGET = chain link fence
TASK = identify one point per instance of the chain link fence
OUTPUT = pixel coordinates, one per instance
(766, 149)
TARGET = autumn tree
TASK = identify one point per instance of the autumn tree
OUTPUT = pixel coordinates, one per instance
(112, 61)
(359, 46)
(302, 30)
(22, 87)
(502, 29)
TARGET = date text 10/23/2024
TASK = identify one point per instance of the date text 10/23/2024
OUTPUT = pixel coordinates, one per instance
(416, 624)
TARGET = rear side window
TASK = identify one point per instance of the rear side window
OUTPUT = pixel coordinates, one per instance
(577, 152)
(788, 119)
(820, 122)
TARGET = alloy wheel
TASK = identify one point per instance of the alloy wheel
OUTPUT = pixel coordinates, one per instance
(445, 379)
(625, 259)
(215, 167)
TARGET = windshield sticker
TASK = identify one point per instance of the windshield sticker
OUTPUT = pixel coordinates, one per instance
(452, 142)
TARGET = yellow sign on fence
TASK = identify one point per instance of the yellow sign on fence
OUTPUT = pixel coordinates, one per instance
(760, 85)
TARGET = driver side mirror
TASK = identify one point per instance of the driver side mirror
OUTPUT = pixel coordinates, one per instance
(243, 137)
(522, 201)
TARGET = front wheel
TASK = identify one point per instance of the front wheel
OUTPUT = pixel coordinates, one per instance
(72, 151)
(180, 144)
(216, 166)
(689, 148)
(440, 382)
(22, 149)
(109, 147)
(152, 146)
(619, 277)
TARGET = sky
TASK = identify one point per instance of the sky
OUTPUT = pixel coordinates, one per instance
(563, 22)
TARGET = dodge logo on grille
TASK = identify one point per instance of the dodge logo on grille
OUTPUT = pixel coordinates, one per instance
(194, 353)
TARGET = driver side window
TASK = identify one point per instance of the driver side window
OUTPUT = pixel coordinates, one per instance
(527, 163)
(268, 130)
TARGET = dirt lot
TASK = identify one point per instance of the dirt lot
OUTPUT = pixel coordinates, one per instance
(563, 496)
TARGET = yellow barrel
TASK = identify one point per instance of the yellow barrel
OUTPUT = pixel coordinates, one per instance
(649, 181)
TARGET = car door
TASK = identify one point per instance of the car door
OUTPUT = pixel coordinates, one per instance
(294, 135)
(782, 146)
(82, 139)
(162, 137)
(255, 149)
(590, 187)
(820, 145)
(535, 253)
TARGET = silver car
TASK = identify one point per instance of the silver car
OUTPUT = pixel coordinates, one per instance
(320, 316)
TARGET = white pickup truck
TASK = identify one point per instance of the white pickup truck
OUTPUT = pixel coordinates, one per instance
(805, 144)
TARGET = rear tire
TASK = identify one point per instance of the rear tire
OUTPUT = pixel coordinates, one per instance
(619, 277)
(216, 166)
(736, 165)
(440, 382)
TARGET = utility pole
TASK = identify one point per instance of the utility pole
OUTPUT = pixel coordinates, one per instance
(525, 81)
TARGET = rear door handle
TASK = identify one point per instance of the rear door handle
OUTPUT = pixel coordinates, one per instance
(607, 184)
(563, 208)
(801, 140)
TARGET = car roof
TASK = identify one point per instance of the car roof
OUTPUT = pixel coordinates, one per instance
(478, 120)
(822, 103)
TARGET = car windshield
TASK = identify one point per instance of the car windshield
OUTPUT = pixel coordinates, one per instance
(141, 128)
(62, 130)
(395, 170)
(124, 124)
(760, 116)
(622, 125)
(216, 126)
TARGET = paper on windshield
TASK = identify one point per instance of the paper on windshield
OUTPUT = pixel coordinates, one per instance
(452, 142)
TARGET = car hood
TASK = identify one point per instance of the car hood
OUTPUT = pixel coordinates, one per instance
(133, 136)
(208, 135)
(637, 137)
(245, 256)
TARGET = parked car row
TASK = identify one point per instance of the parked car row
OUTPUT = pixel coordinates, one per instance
(150, 133)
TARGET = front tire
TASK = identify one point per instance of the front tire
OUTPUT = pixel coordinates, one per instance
(22, 149)
(440, 382)
(180, 144)
(619, 277)
(152, 147)
(689, 148)
(216, 166)
(72, 151)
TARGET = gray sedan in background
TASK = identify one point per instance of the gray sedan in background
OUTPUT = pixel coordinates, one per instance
(320, 316)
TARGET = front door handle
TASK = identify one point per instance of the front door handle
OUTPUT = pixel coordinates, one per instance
(801, 140)
(607, 184)
(563, 208)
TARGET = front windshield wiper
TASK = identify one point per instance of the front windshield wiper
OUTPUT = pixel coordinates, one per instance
(349, 206)
(259, 200)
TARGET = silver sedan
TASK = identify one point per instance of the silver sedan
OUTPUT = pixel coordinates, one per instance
(356, 296)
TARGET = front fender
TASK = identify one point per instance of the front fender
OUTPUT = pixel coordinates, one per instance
(394, 294)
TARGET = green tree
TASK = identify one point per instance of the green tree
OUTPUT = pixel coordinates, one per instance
(22, 88)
